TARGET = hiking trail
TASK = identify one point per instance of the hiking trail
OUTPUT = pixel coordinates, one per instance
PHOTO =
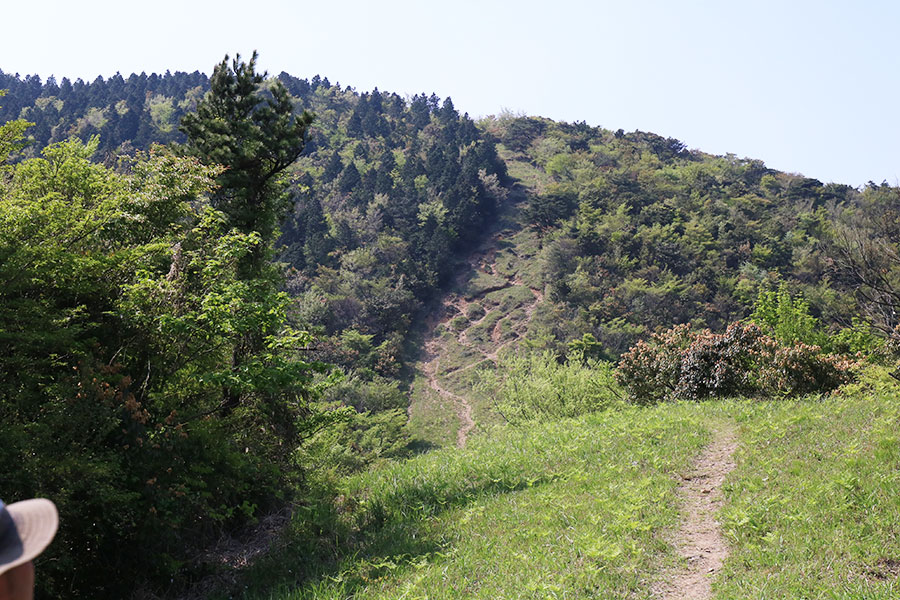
(699, 538)
(487, 310)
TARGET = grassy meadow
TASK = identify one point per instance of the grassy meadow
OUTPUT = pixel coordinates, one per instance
(568, 509)
(813, 507)
(584, 508)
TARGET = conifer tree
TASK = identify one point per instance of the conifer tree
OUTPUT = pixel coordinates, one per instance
(247, 125)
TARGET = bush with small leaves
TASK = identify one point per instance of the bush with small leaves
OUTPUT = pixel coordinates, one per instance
(650, 371)
(683, 365)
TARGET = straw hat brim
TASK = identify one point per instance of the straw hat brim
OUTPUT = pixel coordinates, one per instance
(36, 521)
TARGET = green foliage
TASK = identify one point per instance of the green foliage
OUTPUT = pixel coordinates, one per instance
(859, 338)
(161, 112)
(587, 347)
(538, 387)
(160, 387)
(254, 135)
(681, 364)
(812, 505)
(546, 210)
(866, 255)
(12, 138)
(640, 234)
(387, 195)
(374, 427)
(121, 308)
(366, 165)
(787, 319)
(128, 114)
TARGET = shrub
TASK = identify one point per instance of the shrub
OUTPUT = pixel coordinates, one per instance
(787, 318)
(474, 312)
(683, 365)
(122, 310)
(650, 371)
(859, 337)
(459, 322)
(538, 386)
(720, 365)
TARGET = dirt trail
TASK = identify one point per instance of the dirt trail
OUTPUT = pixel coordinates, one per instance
(699, 538)
(454, 304)
(463, 408)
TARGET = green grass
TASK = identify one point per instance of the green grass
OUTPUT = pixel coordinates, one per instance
(814, 505)
(581, 508)
(434, 421)
(456, 356)
(570, 509)
(523, 170)
(578, 508)
(517, 250)
(510, 298)
(484, 411)
(481, 283)
(481, 333)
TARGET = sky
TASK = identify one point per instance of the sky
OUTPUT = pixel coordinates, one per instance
(808, 87)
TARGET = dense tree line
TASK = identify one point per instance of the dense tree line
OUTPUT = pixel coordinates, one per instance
(126, 113)
(404, 182)
(388, 195)
(387, 191)
(391, 192)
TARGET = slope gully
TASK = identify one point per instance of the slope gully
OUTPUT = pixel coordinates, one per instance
(455, 304)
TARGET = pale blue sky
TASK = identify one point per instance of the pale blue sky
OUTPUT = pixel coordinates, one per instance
(807, 87)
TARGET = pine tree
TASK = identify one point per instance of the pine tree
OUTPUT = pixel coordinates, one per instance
(249, 128)
(333, 167)
(252, 131)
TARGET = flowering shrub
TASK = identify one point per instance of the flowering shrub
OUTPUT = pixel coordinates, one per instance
(803, 369)
(683, 365)
(650, 371)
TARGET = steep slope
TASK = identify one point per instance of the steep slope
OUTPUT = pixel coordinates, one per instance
(487, 310)
(639, 233)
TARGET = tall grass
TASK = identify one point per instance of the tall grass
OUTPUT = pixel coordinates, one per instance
(539, 387)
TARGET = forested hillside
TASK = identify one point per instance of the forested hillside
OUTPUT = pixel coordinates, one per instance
(387, 191)
(227, 297)
(640, 233)
(166, 274)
